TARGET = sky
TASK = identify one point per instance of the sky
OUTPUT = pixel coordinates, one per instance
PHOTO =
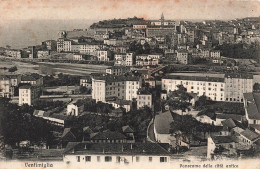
(109, 9)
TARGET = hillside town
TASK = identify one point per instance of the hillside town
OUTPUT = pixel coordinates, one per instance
(133, 90)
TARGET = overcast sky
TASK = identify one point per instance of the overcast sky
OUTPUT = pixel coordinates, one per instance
(108, 9)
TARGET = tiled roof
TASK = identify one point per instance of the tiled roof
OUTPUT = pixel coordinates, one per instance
(162, 122)
(66, 131)
(250, 135)
(194, 78)
(229, 116)
(108, 135)
(112, 78)
(222, 139)
(229, 123)
(127, 129)
(25, 87)
(116, 148)
(243, 76)
(253, 105)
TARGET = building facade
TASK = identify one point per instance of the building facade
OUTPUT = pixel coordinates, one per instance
(28, 95)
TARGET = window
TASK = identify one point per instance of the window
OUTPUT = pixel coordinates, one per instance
(98, 158)
(118, 159)
(108, 158)
(78, 158)
(137, 159)
(163, 159)
(150, 159)
(88, 158)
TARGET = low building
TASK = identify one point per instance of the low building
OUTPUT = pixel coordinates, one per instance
(91, 154)
(28, 94)
(215, 54)
(117, 70)
(108, 136)
(248, 137)
(148, 59)
(6, 89)
(86, 82)
(220, 146)
(78, 57)
(41, 54)
(33, 79)
(252, 107)
(144, 98)
(222, 117)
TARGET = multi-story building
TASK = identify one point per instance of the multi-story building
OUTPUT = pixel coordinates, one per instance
(103, 54)
(28, 94)
(63, 45)
(236, 85)
(49, 45)
(90, 48)
(215, 54)
(148, 59)
(183, 57)
(13, 53)
(124, 59)
(122, 87)
(6, 89)
(144, 98)
(77, 57)
(117, 70)
(211, 87)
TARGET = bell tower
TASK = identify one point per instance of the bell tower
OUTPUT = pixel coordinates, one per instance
(162, 19)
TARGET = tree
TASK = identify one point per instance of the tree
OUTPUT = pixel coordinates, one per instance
(179, 99)
(12, 69)
(147, 48)
(256, 87)
(202, 102)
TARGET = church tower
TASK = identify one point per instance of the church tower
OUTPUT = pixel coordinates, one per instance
(162, 19)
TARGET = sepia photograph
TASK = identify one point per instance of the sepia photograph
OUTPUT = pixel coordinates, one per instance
(130, 84)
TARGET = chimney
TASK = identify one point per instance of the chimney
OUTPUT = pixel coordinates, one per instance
(131, 146)
(85, 147)
(122, 148)
(103, 151)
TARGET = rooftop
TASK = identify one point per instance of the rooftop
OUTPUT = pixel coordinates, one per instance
(229, 116)
(250, 135)
(118, 148)
(112, 78)
(108, 135)
(253, 105)
(241, 76)
(195, 78)
(162, 122)
(222, 139)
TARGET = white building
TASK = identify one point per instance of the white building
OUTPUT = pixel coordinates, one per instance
(215, 54)
(28, 95)
(124, 59)
(103, 55)
(90, 49)
(6, 89)
(144, 98)
(122, 87)
(236, 85)
(148, 59)
(77, 57)
(75, 108)
(117, 70)
(211, 87)
(115, 154)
